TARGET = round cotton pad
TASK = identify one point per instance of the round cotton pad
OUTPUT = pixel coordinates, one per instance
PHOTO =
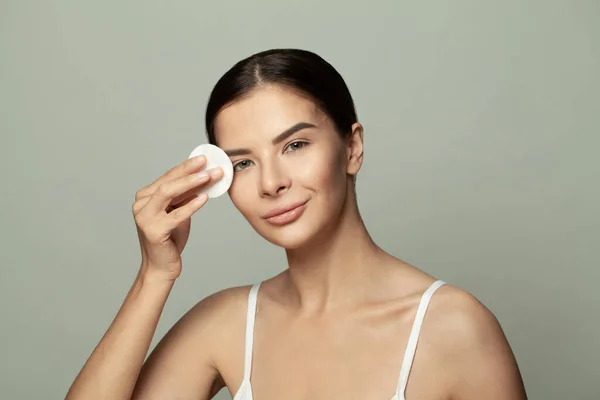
(215, 157)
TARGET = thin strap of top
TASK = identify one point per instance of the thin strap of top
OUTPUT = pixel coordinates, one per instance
(250, 317)
(411, 346)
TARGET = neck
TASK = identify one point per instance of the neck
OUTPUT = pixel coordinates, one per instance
(333, 269)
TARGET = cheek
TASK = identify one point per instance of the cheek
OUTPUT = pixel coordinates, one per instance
(324, 173)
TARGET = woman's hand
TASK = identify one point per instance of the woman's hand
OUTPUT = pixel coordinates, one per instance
(162, 213)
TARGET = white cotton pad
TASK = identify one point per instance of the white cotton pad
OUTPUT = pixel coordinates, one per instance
(215, 157)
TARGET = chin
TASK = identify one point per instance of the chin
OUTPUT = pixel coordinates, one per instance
(289, 237)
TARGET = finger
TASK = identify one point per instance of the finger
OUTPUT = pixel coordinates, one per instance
(174, 192)
(188, 181)
(180, 214)
(166, 193)
(215, 174)
(176, 204)
(187, 167)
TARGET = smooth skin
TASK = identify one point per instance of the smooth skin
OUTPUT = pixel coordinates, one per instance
(333, 325)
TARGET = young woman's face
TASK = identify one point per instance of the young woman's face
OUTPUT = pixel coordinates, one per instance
(290, 165)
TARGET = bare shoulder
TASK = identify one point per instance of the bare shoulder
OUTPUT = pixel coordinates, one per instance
(219, 306)
(470, 344)
(215, 321)
(458, 318)
(185, 361)
(211, 318)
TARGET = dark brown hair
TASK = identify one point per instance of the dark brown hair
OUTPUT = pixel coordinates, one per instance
(300, 70)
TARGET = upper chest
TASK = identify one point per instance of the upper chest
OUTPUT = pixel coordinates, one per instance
(352, 356)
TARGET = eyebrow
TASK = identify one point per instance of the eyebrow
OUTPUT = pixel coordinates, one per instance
(276, 140)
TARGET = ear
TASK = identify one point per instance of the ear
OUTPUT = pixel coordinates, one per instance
(354, 149)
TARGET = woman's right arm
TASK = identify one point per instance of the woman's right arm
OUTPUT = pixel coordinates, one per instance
(162, 212)
(112, 370)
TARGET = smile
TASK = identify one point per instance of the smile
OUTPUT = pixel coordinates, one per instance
(286, 215)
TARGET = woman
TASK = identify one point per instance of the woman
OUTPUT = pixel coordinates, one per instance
(342, 322)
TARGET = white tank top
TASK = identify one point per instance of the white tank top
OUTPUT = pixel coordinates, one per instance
(245, 390)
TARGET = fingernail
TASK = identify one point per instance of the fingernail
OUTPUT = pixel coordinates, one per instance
(203, 175)
(201, 198)
(199, 159)
(215, 173)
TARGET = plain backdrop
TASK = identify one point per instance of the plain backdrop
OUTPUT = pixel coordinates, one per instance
(481, 162)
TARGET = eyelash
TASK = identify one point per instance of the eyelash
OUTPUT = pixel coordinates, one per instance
(301, 142)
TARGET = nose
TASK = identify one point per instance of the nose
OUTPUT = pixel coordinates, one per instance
(273, 180)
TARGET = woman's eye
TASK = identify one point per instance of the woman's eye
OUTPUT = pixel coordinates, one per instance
(240, 166)
(295, 146)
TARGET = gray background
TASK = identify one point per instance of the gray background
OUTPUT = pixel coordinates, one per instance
(481, 162)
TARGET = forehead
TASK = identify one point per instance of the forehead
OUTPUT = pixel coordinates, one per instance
(264, 113)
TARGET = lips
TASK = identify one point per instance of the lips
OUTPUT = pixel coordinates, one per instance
(285, 214)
